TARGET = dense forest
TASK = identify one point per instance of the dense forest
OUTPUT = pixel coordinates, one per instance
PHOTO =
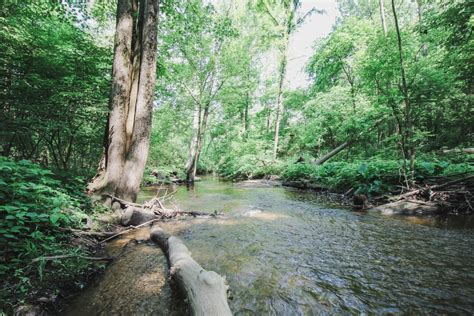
(100, 98)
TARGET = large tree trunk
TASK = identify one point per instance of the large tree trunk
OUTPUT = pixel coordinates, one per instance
(206, 291)
(131, 100)
(140, 141)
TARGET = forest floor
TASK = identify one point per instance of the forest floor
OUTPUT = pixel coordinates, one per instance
(53, 289)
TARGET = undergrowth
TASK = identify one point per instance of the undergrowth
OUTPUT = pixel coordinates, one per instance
(374, 176)
(37, 207)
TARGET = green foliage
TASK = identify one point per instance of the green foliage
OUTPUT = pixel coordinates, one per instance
(35, 207)
(354, 95)
(372, 177)
(55, 83)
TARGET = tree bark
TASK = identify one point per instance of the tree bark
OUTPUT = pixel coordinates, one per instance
(206, 291)
(139, 147)
(131, 101)
(119, 98)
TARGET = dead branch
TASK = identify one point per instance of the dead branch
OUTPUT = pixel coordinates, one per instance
(130, 229)
(49, 258)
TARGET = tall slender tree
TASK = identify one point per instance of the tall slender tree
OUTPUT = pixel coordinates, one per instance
(408, 133)
(284, 16)
(382, 17)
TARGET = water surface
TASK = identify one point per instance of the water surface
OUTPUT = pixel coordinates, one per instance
(287, 252)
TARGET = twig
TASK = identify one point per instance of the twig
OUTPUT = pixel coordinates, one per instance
(419, 202)
(130, 229)
(123, 202)
(69, 256)
(449, 183)
(87, 233)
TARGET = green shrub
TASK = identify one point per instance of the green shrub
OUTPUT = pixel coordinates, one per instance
(372, 177)
(249, 166)
(35, 208)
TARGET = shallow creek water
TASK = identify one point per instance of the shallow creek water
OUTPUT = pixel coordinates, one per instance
(287, 252)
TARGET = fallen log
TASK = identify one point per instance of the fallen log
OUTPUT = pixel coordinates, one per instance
(458, 151)
(134, 216)
(206, 291)
(137, 215)
(49, 258)
(129, 230)
(123, 203)
(333, 153)
(450, 183)
(425, 191)
(408, 207)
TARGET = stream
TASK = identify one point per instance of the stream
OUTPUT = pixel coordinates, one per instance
(288, 252)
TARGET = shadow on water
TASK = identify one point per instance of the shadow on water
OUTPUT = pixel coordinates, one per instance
(288, 252)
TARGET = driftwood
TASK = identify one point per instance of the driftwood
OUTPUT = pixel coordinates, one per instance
(450, 183)
(304, 184)
(123, 203)
(69, 256)
(458, 151)
(403, 207)
(130, 229)
(134, 216)
(426, 190)
(452, 196)
(206, 291)
(138, 215)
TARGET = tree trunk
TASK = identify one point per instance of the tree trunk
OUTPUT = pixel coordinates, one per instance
(206, 291)
(131, 100)
(279, 108)
(408, 135)
(197, 141)
(193, 147)
(382, 17)
(245, 116)
(332, 153)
